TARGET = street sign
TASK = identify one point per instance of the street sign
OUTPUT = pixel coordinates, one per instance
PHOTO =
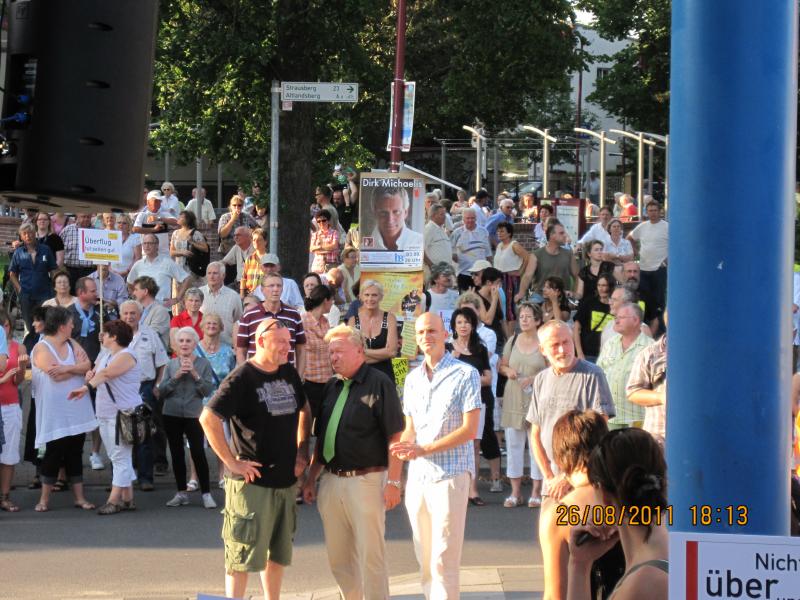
(300, 91)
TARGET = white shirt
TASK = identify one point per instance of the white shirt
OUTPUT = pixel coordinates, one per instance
(207, 216)
(408, 240)
(437, 244)
(149, 350)
(172, 205)
(596, 232)
(227, 304)
(237, 256)
(653, 238)
(290, 295)
(624, 248)
(163, 237)
(162, 269)
(128, 249)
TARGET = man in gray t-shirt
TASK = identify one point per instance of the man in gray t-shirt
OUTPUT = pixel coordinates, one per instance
(568, 384)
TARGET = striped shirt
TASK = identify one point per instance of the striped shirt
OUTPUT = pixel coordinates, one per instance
(71, 238)
(616, 364)
(246, 337)
(437, 408)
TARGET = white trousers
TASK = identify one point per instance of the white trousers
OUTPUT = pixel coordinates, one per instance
(12, 426)
(354, 521)
(515, 454)
(120, 455)
(438, 513)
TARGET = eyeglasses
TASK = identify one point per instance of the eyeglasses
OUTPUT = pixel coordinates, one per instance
(322, 220)
(274, 325)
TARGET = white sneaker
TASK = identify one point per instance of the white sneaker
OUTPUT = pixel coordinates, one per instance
(96, 461)
(208, 501)
(192, 486)
(180, 499)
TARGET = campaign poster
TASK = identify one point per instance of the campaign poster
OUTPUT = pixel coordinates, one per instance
(402, 292)
(391, 221)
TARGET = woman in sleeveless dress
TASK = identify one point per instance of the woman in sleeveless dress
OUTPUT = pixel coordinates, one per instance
(58, 367)
(378, 327)
(513, 261)
(628, 468)
(522, 360)
(116, 378)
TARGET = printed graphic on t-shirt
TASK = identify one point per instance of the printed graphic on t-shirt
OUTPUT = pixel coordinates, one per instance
(279, 397)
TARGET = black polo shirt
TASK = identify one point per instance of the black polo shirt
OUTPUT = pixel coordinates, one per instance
(371, 415)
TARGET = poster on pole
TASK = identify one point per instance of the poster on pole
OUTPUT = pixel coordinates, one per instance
(100, 245)
(391, 221)
(408, 116)
(402, 292)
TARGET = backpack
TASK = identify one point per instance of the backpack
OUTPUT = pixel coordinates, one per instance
(198, 260)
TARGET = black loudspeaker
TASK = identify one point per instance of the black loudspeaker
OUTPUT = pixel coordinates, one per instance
(77, 103)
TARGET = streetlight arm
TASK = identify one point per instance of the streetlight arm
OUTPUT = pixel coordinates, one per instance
(472, 130)
(594, 134)
(633, 136)
(538, 131)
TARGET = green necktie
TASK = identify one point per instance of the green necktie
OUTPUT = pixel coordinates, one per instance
(328, 449)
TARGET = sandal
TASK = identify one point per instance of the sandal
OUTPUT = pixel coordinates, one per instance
(85, 505)
(534, 502)
(7, 505)
(60, 486)
(128, 505)
(513, 502)
(477, 501)
(41, 507)
(109, 509)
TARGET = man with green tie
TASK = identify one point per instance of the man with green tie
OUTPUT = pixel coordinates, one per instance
(359, 418)
(269, 417)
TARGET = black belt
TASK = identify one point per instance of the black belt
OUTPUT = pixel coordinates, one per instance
(354, 472)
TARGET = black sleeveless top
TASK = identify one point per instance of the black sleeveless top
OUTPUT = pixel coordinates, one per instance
(379, 342)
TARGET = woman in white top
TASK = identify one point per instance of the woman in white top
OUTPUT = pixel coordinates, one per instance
(618, 250)
(184, 240)
(351, 273)
(61, 287)
(131, 246)
(116, 378)
(514, 262)
(61, 423)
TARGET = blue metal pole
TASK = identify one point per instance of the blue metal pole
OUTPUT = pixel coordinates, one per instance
(732, 142)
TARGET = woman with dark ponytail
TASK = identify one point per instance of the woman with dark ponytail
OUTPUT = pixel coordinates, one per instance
(628, 469)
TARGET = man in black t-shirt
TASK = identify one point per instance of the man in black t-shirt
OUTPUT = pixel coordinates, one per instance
(359, 418)
(269, 416)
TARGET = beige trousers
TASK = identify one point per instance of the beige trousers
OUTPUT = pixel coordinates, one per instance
(354, 521)
(438, 513)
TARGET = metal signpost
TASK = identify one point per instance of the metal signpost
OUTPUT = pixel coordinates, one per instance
(288, 92)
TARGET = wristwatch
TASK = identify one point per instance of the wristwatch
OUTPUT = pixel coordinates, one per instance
(395, 482)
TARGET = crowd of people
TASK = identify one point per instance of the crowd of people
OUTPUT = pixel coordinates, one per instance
(541, 352)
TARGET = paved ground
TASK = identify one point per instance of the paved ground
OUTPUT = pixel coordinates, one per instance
(171, 553)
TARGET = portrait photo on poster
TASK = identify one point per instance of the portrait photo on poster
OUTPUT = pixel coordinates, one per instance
(391, 221)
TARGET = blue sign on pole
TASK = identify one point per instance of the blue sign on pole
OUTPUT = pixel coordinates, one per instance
(408, 116)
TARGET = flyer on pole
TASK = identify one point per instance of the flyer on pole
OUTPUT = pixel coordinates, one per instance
(100, 245)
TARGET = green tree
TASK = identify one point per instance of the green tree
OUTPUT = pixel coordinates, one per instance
(636, 88)
(215, 61)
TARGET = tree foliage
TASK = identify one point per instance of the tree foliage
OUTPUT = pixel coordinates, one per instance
(636, 88)
(471, 59)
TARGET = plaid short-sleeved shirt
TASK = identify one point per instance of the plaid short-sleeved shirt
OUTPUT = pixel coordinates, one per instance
(437, 407)
(251, 274)
(246, 337)
(69, 235)
(324, 238)
(318, 356)
(649, 372)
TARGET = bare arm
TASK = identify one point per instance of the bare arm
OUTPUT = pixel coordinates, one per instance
(300, 357)
(644, 397)
(573, 268)
(59, 257)
(225, 230)
(14, 281)
(408, 450)
(576, 338)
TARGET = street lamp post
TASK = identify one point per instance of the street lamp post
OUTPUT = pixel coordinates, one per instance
(664, 139)
(639, 137)
(603, 141)
(546, 137)
(478, 137)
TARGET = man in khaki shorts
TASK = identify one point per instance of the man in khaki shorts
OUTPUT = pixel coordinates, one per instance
(269, 418)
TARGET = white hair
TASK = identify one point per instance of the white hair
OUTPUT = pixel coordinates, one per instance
(188, 331)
